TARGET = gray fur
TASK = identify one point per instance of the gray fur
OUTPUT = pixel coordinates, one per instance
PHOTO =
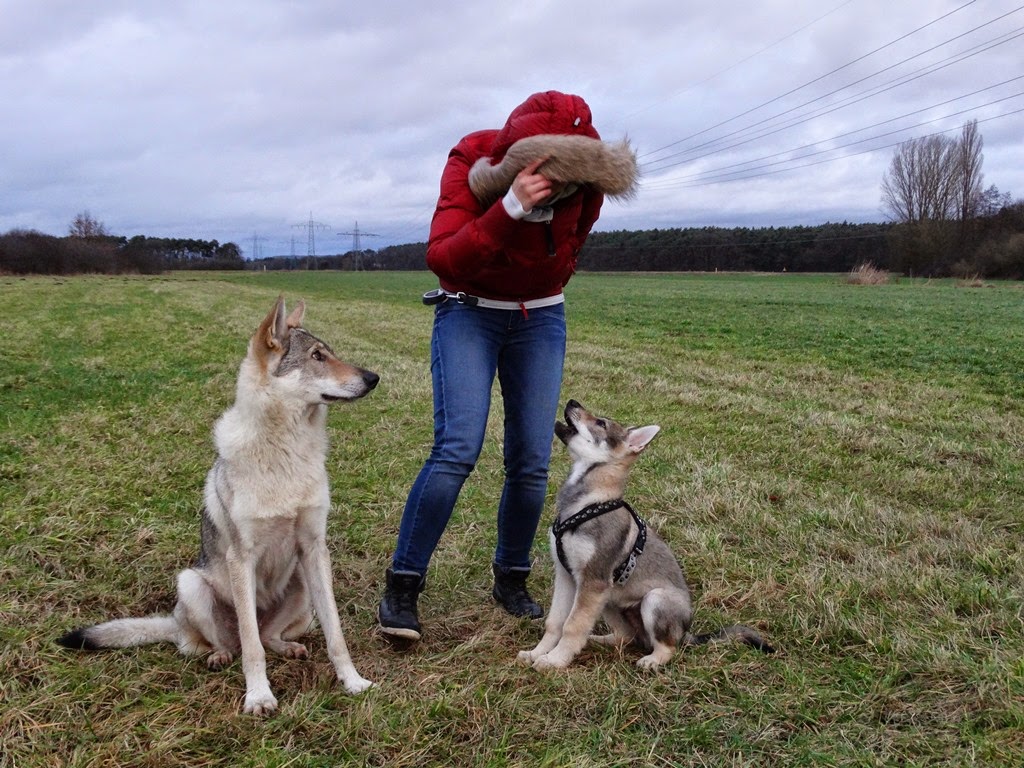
(652, 610)
(300, 343)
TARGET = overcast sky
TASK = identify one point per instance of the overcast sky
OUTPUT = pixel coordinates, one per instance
(236, 120)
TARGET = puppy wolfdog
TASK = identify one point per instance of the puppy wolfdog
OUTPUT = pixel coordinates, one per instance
(263, 566)
(608, 563)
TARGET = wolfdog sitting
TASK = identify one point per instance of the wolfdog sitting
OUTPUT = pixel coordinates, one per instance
(263, 566)
(608, 562)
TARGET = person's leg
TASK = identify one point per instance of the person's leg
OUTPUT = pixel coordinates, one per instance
(464, 354)
(463, 362)
(530, 370)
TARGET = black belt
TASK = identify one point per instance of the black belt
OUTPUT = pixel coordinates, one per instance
(440, 295)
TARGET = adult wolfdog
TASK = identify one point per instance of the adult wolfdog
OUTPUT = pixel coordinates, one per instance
(263, 566)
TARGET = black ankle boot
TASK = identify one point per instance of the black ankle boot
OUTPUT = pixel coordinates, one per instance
(510, 592)
(397, 611)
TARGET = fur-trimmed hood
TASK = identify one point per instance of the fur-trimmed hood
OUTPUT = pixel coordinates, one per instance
(557, 126)
(610, 168)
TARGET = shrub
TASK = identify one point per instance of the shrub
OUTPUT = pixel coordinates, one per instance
(1001, 257)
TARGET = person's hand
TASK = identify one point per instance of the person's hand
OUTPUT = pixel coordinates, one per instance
(530, 187)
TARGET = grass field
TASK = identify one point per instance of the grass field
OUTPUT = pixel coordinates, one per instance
(840, 466)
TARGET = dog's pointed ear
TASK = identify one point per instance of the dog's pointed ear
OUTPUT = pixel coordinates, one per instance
(272, 331)
(295, 318)
(639, 437)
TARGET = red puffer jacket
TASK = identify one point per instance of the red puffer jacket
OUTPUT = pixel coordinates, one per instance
(485, 252)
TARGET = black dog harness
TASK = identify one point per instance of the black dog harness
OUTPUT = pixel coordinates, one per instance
(571, 523)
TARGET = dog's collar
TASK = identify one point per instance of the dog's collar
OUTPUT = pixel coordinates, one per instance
(625, 569)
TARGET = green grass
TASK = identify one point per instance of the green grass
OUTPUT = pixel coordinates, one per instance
(840, 466)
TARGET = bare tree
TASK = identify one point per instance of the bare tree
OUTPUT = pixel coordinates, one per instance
(900, 190)
(938, 178)
(917, 187)
(967, 161)
(84, 225)
(933, 187)
(935, 178)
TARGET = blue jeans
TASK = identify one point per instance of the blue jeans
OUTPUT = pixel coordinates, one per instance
(469, 346)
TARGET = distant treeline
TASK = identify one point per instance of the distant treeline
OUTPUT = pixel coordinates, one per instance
(29, 252)
(991, 246)
(825, 248)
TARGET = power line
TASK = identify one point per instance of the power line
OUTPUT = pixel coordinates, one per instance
(700, 183)
(856, 98)
(755, 54)
(811, 82)
(861, 130)
(757, 167)
(419, 224)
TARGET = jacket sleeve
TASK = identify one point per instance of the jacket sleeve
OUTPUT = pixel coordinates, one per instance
(464, 238)
(589, 212)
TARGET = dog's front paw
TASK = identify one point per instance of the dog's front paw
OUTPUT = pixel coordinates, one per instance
(259, 703)
(357, 684)
(218, 660)
(525, 657)
(550, 661)
(660, 655)
(294, 651)
(651, 661)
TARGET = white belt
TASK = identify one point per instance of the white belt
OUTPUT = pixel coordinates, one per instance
(439, 295)
(547, 301)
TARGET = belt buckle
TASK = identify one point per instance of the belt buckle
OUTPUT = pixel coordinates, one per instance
(436, 296)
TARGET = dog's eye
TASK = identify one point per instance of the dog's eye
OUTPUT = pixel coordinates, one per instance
(318, 355)
(601, 423)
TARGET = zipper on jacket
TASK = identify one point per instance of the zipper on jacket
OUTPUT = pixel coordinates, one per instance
(551, 238)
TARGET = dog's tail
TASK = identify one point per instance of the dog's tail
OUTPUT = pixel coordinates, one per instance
(739, 632)
(122, 633)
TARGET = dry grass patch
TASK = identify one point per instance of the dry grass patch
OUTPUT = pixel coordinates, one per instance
(867, 274)
(971, 281)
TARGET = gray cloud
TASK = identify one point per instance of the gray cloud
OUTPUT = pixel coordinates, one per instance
(230, 119)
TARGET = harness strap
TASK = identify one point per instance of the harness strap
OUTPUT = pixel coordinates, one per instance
(571, 523)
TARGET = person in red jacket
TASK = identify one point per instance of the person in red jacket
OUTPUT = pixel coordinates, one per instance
(515, 208)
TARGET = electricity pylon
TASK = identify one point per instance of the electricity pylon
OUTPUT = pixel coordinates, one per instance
(311, 227)
(357, 254)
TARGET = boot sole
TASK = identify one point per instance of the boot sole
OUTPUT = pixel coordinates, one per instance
(406, 633)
